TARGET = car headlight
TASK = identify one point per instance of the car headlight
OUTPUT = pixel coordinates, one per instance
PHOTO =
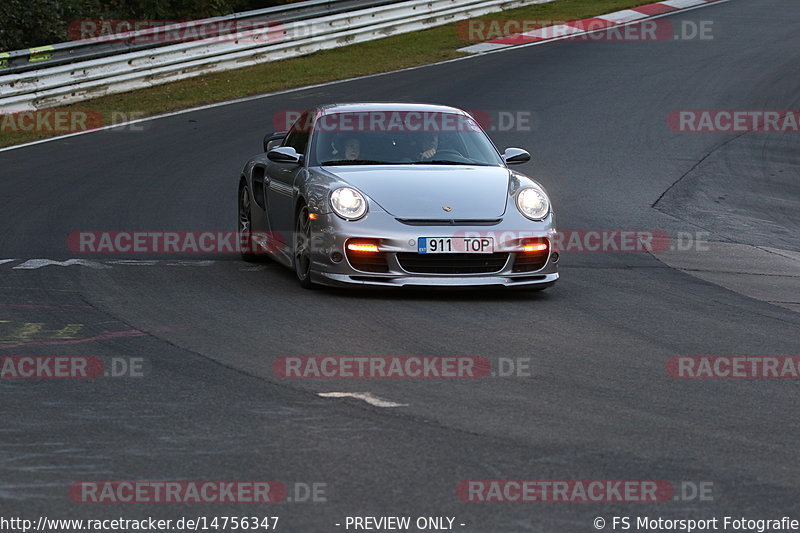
(533, 203)
(348, 203)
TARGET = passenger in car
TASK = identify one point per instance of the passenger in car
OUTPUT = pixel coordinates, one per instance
(430, 143)
(352, 149)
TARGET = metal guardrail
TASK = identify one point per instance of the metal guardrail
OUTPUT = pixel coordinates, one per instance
(72, 82)
(81, 50)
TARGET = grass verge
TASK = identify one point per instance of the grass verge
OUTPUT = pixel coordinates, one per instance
(383, 55)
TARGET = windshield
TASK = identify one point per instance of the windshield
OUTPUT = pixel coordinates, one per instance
(401, 138)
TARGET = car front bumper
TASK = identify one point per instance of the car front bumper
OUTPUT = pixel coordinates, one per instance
(421, 280)
(398, 239)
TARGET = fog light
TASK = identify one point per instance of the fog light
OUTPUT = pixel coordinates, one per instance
(534, 247)
(363, 246)
(337, 257)
(538, 244)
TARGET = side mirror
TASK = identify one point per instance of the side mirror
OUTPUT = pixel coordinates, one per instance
(285, 154)
(515, 156)
(273, 139)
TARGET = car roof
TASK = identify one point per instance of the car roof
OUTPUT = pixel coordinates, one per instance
(386, 107)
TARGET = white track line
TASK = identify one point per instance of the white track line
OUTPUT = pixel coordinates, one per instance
(31, 264)
(366, 396)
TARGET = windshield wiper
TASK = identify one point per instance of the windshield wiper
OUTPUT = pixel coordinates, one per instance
(444, 162)
(354, 162)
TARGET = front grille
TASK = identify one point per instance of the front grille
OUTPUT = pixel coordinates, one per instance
(449, 221)
(530, 261)
(368, 262)
(452, 263)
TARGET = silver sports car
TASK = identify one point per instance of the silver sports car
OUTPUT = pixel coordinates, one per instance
(395, 195)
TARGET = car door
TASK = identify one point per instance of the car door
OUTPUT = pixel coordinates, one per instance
(281, 179)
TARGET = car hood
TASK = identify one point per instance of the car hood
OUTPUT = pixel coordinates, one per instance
(422, 192)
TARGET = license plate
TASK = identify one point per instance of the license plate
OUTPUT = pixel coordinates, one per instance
(455, 245)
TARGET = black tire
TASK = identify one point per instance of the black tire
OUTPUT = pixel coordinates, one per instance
(245, 225)
(301, 248)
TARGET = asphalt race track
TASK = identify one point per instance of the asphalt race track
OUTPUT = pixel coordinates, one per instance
(598, 404)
